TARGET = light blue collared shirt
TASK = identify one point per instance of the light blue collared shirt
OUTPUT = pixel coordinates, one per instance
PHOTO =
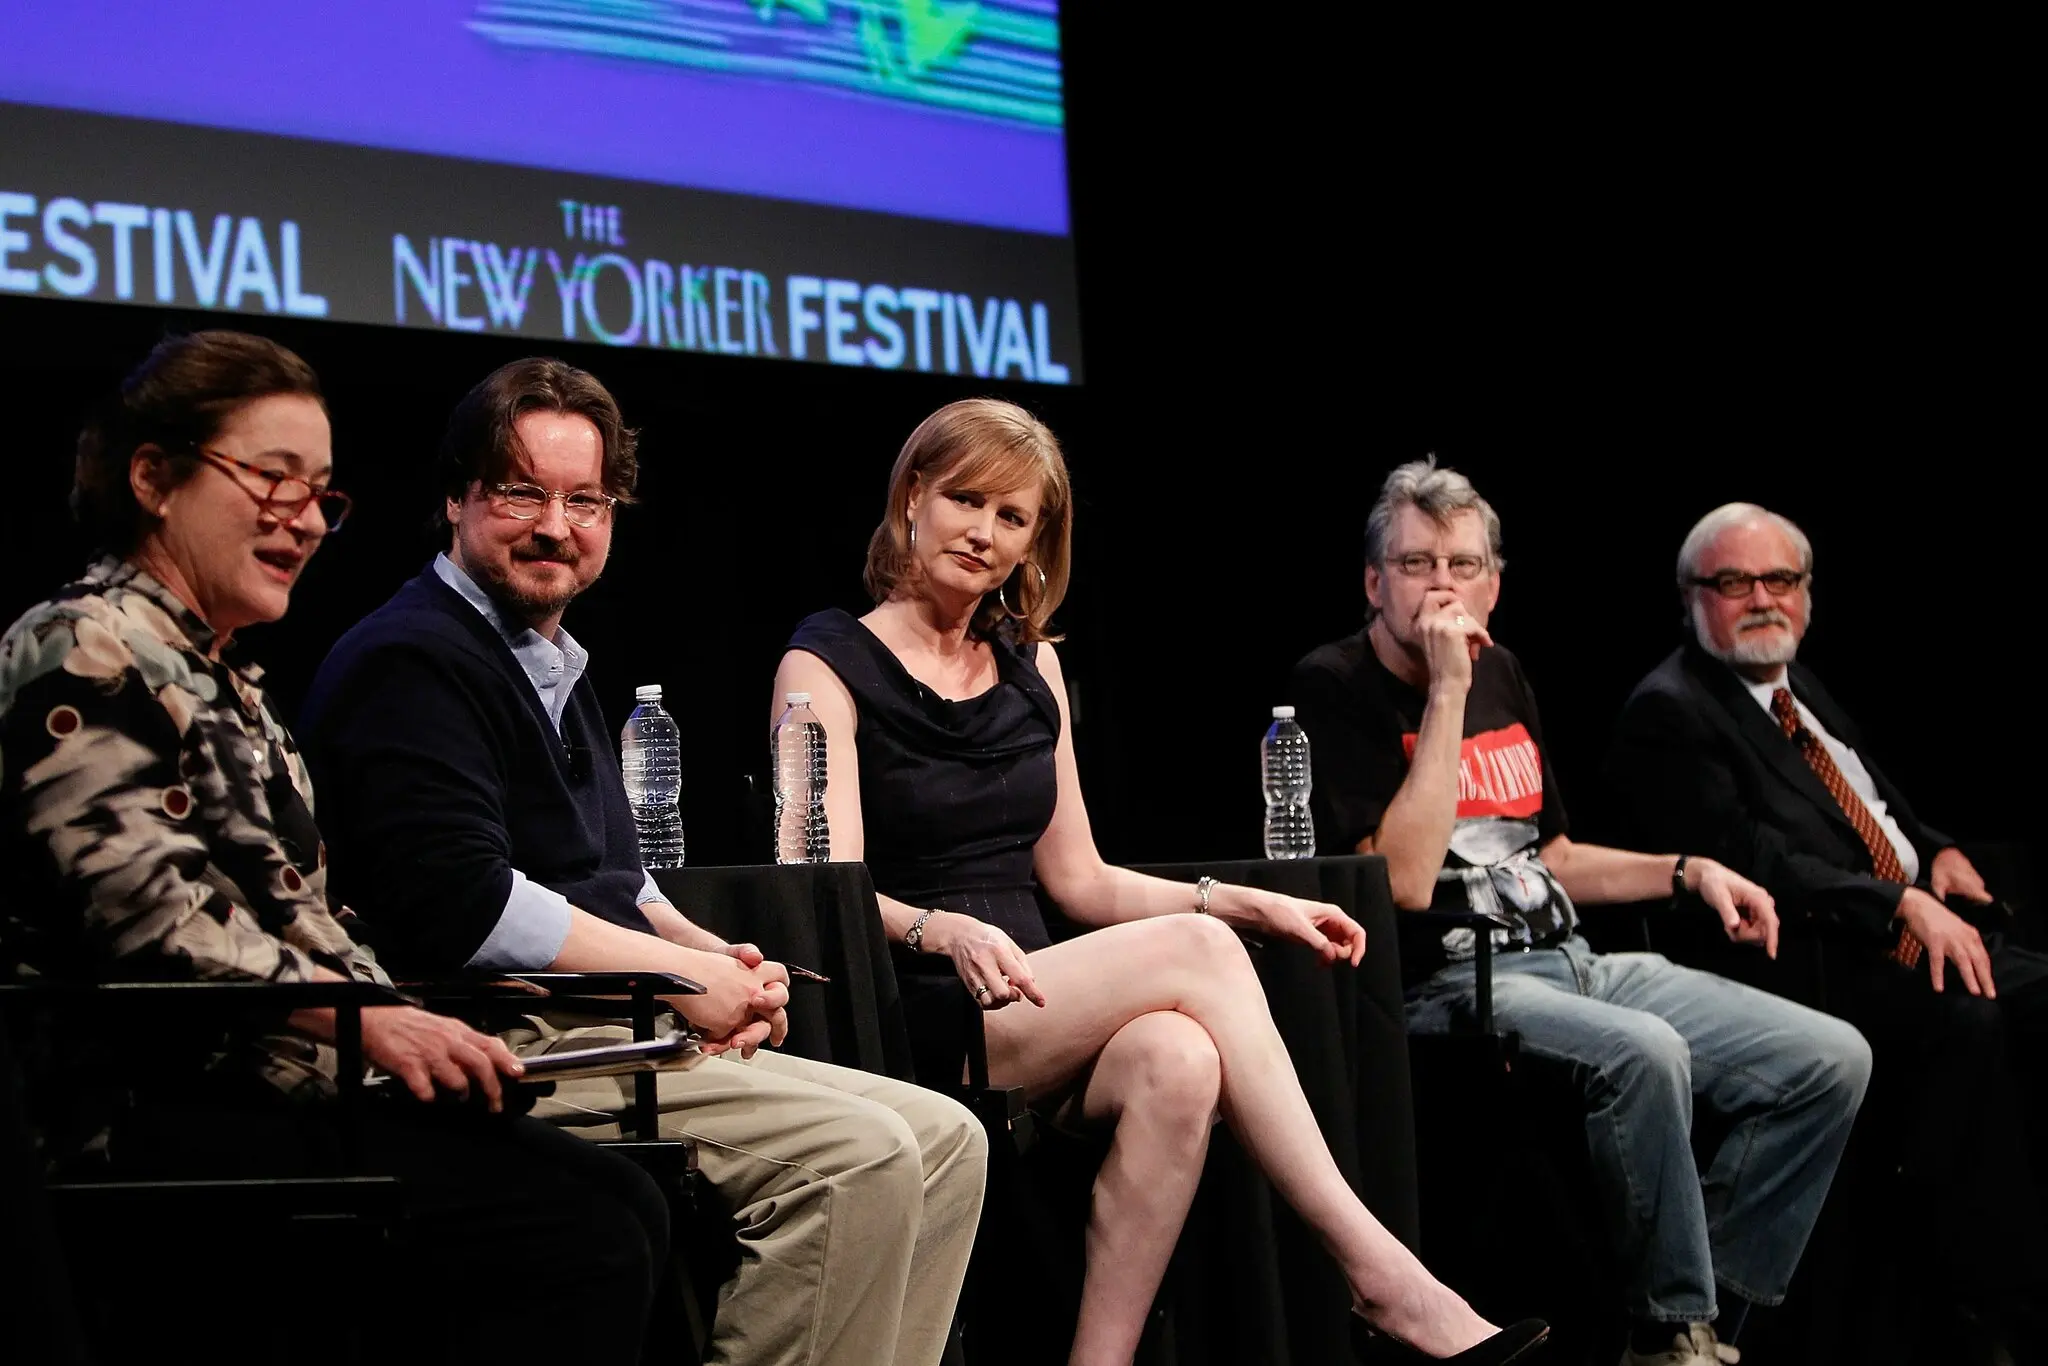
(535, 924)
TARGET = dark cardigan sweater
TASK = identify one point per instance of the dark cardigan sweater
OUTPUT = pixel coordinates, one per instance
(437, 773)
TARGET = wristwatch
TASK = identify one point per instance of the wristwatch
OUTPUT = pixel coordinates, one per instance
(1678, 878)
(914, 936)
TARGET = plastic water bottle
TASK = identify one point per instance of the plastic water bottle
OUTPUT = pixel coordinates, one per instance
(796, 755)
(651, 757)
(1284, 772)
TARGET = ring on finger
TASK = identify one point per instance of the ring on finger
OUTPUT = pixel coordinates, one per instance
(981, 994)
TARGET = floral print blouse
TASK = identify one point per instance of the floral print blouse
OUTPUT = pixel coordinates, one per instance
(159, 816)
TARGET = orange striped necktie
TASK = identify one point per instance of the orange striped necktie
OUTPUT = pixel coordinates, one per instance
(1884, 859)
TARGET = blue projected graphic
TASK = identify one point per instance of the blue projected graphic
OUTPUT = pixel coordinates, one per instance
(865, 183)
(939, 109)
(998, 61)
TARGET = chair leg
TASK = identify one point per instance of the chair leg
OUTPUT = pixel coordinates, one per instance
(704, 1252)
(695, 1319)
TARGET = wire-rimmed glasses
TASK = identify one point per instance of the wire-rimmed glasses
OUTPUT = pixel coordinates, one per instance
(528, 501)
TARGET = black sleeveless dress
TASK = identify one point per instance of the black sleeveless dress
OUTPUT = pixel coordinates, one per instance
(953, 795)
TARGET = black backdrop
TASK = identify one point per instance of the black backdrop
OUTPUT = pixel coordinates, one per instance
(1615, 292)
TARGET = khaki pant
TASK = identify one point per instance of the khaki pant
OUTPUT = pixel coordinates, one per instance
(855, 1197)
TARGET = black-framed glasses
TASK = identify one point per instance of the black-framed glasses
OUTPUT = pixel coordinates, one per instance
(1420, 564)
(528, 501)
(288, 494)
(1733, 583)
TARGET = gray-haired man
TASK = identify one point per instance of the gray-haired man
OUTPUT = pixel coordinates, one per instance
(1429, 751)
(1732, 747)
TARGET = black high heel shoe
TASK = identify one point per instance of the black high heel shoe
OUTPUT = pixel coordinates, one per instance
(1516, 1342)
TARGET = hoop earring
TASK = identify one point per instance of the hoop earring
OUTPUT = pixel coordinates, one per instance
(1003, 593)
(913, 532)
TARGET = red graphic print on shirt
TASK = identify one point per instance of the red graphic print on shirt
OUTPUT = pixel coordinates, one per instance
(1500, 773)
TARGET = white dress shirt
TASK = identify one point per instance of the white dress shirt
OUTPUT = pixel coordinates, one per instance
(1852, 769)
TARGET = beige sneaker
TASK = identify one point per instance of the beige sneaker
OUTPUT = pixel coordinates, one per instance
(1694, 1345)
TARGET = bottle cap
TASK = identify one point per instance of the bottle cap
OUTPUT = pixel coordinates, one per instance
(797, 699)
(1283, 713)
(648, 692)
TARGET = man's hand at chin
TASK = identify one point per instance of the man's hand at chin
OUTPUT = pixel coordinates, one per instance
(1451, 639)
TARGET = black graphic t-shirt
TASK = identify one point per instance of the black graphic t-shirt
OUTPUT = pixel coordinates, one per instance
(1362, 723)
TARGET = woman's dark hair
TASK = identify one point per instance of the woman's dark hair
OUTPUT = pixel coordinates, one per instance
(481, 444)
(176, 400)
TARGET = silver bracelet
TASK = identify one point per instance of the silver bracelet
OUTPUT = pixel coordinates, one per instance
(1202, 886)
(914, 936)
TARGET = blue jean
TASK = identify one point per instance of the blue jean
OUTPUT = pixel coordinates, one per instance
(1642, 1038)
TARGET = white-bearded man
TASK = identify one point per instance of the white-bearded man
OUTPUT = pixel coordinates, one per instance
(1732, 747)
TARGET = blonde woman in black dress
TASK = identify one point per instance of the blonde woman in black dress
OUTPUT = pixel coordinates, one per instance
(959, 791)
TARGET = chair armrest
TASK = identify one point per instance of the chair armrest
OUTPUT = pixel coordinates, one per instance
(1482, 924)
(541, 986)
(530, 986)
(1470, 919)
(631, 983)
(584, 992)
(348, 1000)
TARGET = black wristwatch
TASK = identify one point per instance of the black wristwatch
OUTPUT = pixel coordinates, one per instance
(1678, 878)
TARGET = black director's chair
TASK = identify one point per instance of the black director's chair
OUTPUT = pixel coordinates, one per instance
(78, 1208)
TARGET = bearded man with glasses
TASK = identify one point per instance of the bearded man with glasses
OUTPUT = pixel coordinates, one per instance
(1429, 751)
(1732, 747)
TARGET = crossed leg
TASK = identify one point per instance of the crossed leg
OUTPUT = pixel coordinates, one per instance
(1119, 1005)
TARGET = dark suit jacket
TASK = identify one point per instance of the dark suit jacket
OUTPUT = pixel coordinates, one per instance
(1698, 766)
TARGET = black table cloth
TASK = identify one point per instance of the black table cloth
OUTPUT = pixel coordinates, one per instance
(822, 916)
(1249, 1283)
